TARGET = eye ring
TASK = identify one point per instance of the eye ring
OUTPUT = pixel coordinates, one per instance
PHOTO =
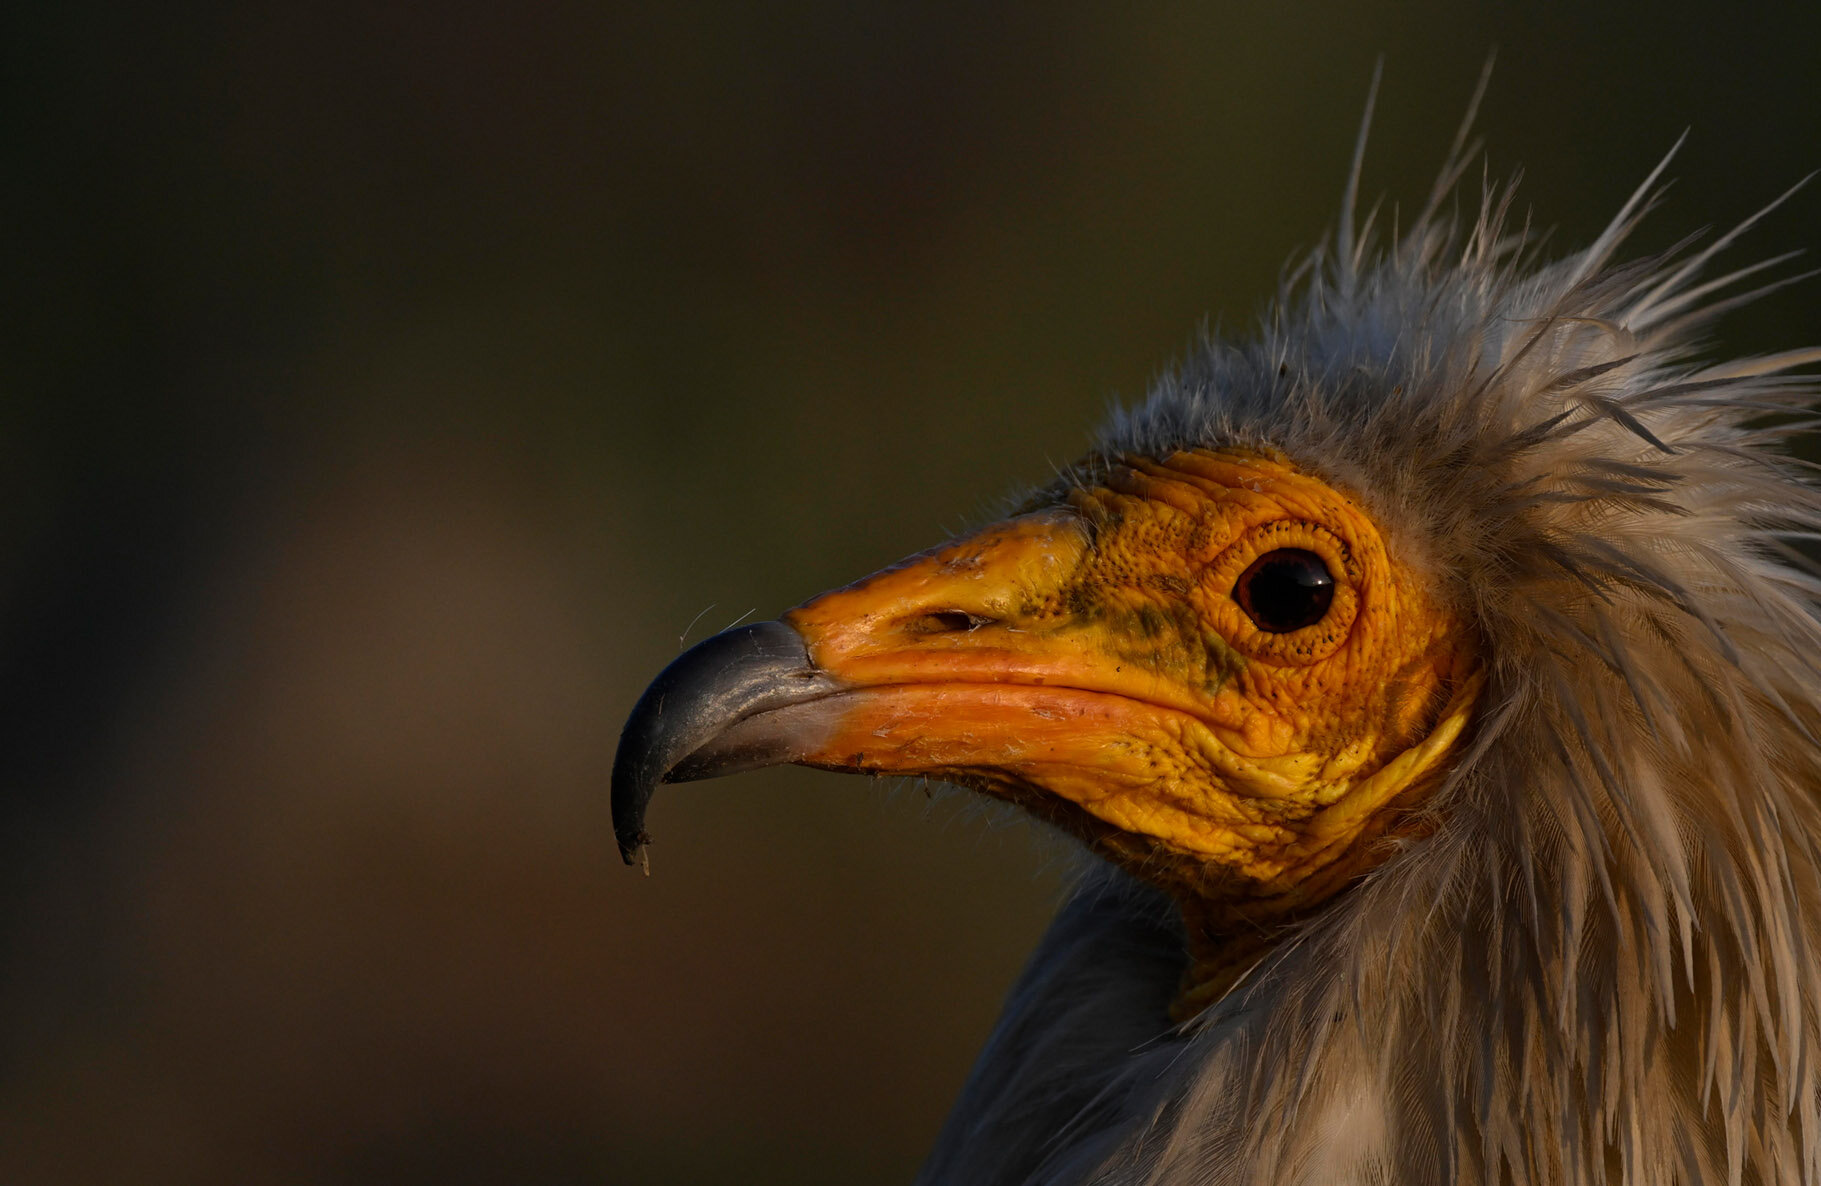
(1285, 590)
(1307, 643)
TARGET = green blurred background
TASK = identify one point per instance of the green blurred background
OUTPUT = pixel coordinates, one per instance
(387, 391)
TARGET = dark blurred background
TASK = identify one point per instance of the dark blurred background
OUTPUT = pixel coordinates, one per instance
(387, 391)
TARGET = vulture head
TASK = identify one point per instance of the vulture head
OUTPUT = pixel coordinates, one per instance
(1439, 676)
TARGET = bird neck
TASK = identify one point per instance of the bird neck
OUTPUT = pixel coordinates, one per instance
(1229, 936)
(1215, 967)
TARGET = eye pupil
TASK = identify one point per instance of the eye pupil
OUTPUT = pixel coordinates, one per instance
(1285, 590)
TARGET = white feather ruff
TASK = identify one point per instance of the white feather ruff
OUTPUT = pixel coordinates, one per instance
(1604, 965)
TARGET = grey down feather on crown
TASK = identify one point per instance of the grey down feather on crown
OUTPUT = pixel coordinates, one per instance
(1604, 962)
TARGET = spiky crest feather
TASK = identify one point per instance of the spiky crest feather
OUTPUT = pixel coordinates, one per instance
(1604, 964)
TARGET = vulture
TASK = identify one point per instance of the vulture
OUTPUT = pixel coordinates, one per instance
(1433, 678)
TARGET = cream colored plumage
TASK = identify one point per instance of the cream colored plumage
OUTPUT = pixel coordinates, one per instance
(1604, 965)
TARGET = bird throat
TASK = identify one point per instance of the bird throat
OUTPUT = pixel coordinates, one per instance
(1230, 927)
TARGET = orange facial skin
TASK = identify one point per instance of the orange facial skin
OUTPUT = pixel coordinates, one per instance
(1091, 663)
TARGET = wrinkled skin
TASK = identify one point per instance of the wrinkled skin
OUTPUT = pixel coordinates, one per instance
(1102, 661)
(1092, 662)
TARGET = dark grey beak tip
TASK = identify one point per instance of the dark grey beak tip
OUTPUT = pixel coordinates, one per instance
(632, 848)
(705, 691)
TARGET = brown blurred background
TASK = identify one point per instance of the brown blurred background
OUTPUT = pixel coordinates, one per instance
(387, 391)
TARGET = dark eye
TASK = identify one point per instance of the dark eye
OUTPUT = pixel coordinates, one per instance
(1285, 590)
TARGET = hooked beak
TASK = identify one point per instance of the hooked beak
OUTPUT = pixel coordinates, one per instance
(892, 675)
(741, 700)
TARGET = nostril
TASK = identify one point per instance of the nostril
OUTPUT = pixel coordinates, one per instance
(949, 621)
